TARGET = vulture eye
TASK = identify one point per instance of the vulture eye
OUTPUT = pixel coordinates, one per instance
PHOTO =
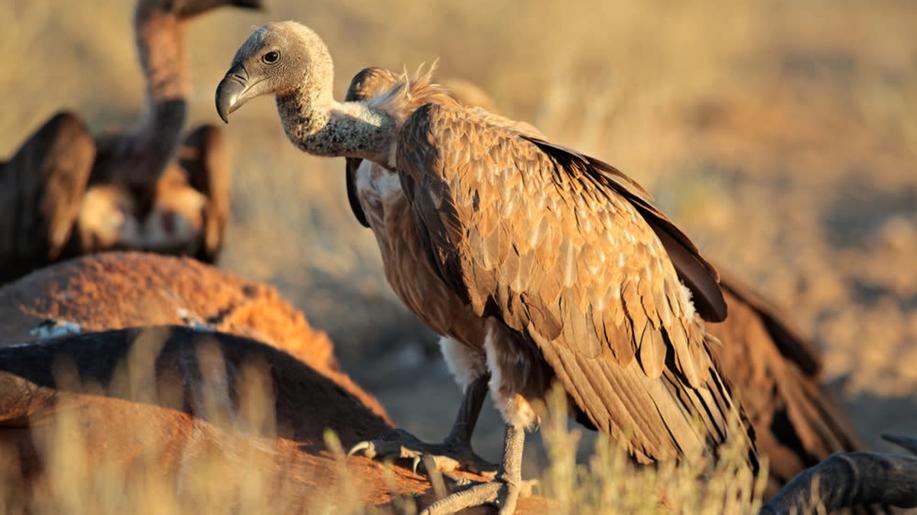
(271, 57)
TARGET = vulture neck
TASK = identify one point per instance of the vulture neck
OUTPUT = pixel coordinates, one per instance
(321, 126)
(160, 43)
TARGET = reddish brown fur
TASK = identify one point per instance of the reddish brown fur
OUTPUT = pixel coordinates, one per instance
(120, 429)
(119, 290)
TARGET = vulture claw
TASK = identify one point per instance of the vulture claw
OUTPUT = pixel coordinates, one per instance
(502, 492)
(364, 445)
(401, 445)
(492, 493)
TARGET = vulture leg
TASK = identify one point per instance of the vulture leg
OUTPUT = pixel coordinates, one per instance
(454, 453)
(502, 492)
(467, 417)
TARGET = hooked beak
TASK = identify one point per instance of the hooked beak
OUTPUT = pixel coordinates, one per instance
(231, 91)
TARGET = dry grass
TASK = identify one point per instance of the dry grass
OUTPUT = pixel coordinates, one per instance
(230, 465)
(85, 469)
(609, 482)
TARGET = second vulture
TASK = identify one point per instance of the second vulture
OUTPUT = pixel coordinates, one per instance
(66, 193)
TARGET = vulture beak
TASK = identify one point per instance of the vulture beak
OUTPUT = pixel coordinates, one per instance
(231, 91)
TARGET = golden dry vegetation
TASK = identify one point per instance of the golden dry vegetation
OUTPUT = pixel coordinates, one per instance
(781, 134)
(234, 461)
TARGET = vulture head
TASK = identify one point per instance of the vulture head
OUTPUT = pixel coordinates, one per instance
(276, 59)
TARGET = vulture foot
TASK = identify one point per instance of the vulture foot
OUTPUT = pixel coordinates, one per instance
(503, 492)
(498, 493)
(447, 457)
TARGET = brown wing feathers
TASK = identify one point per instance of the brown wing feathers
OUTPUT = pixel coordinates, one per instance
(697, 274)
(603, 292)
(372, 82)
(788, 339)
(797, 423)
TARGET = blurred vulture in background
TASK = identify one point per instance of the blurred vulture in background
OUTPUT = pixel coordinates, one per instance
(774, 370)
(776, 375)
(66, 193)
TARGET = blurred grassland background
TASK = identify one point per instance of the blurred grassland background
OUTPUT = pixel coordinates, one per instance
(781, 134)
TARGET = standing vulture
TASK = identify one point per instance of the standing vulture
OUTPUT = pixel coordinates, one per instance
(536, 263)
(66, 193)
(775, 373)
(772, 368)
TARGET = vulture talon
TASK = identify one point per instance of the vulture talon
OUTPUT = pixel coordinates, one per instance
(495, 493)
(398, 444)
(364, 445)
(457, 479)
(503, 492)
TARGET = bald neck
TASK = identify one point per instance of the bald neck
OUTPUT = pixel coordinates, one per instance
(321, 126)
(324, 127)
(160, 45)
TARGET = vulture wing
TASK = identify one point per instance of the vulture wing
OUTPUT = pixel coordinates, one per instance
(372, 82)
(366, 84)
(539, 238)
(798, 422)
(41, 191)
(697, 274)
(205, 157)
(787, 338)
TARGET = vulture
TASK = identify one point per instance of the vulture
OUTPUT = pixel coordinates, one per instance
(774, 370)
(537, 264)
(775, 373)
(66, 193)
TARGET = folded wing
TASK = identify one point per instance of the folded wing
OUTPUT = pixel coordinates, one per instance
(564, 252)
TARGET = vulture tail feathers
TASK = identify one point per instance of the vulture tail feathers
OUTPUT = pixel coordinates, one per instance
(797, 420)
(786, 336)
